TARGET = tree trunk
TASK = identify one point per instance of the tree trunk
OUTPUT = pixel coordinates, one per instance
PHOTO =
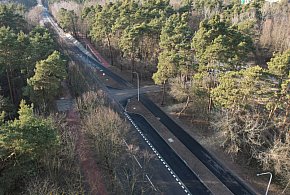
(272, 112)
(9, 85)
(286, 115)
(185, 107)
(14, 91)
(132, 67)
(209, 101)
(111, 51)
(163, 94)
(74, 27)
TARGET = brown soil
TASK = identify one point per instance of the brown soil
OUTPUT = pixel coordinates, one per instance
(92, 174)
(212, 142)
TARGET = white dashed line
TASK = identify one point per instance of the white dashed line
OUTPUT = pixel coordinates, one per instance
(160, 158)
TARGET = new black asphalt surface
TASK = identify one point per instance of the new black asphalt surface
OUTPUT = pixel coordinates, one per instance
(233, 183)
(96, 63)
(191, 181)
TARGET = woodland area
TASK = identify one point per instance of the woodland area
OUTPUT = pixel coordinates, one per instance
(224, 63)
(39, 149)
(221, 62)
(31, 136)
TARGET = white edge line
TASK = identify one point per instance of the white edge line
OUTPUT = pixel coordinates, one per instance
(160, 158)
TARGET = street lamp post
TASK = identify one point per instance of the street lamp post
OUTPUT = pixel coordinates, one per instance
(269, 180)
(138, 87)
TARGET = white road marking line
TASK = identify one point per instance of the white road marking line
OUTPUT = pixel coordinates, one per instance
(161, 159)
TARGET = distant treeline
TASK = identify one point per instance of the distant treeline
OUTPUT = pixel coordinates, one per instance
(27, 3)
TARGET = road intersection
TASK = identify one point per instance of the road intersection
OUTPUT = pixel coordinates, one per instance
(187, 177)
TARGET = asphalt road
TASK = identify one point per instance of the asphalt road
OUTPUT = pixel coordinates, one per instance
(94, 62)
(233, 183)
(123, 95)
(191, 181)
(186, 175)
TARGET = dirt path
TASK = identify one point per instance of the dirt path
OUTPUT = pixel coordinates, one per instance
(92, 174)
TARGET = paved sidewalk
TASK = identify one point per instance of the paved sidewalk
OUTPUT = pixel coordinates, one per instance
(87, 44)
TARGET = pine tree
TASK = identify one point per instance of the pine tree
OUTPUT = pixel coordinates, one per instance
(279, 65)
(9, 17)
(279, 68)
(41, 45)
(25, 112)
(8, 61)
(46, 82)
(102, 28)
(175, 57)
(219, 46)
(23, 144)
(68, 20)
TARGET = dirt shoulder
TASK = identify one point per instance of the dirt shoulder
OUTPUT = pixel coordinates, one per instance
(208, 139)
(212, 141)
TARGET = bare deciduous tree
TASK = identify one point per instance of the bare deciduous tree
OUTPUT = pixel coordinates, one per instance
(33, 16)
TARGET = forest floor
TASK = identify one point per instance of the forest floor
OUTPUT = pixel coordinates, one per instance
(207, 138)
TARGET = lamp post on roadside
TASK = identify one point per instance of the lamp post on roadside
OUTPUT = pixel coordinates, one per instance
(138, 87)
(269, 180)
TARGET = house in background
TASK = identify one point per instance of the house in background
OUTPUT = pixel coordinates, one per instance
(273, 1)
(248, 1)
(245, 1)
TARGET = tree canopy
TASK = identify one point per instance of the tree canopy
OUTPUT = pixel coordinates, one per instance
(219, 46)
(175, 57)
(45, 83)
(22, 142)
